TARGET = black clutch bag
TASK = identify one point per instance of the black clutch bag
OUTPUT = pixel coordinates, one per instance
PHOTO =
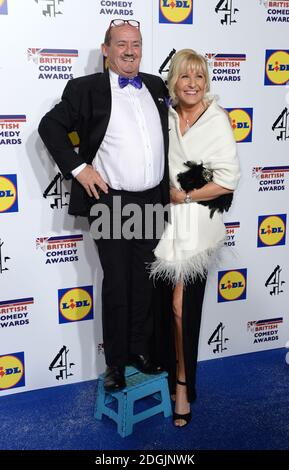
(195, 178)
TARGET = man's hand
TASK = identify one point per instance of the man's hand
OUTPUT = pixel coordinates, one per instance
(88, 178)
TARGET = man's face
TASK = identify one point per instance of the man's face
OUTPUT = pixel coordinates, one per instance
(125, 50)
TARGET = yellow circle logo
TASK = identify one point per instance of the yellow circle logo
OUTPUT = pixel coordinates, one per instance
(11, 371)
(232, 285)
(176, 11)
(272, 230)
(241, 123)
(277, 67)
(1, 2)
(75, 304)
(7, 194)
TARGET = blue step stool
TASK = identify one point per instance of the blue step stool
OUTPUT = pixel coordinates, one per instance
(138, 385)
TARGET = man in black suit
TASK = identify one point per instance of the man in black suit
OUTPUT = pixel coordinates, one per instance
(121, 119)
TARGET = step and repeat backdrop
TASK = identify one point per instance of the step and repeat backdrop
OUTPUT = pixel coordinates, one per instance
(50, 276)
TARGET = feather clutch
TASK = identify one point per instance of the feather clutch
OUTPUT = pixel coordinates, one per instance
(195, 178)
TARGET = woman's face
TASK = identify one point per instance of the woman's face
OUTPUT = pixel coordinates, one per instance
(190, 87)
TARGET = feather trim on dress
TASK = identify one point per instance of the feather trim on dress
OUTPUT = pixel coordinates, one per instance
(185, 270)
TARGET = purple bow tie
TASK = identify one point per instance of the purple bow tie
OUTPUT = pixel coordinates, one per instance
(135, 81)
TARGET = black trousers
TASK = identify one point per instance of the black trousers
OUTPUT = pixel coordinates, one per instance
(126, 290)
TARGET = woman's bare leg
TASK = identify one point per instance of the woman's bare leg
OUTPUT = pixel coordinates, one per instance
(182, 405)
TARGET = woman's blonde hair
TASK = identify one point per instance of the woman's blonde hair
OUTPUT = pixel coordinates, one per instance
(182, 61)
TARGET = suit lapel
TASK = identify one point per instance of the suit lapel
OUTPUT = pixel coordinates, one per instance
(101, 108)
(101, 95)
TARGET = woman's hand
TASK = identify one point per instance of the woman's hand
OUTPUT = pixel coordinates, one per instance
(208, 192)
(177, 195)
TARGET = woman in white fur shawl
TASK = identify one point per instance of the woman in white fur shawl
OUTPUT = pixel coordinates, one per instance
(200, 132)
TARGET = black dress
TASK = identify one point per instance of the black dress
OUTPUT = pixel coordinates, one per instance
(164, 334)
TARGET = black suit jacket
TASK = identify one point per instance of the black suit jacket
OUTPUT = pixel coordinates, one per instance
(85, 107)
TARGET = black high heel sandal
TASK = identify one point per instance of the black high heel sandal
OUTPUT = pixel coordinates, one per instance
(185, 417)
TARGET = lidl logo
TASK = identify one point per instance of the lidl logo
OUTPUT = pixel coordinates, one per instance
(232, 285)
(3, 7)
(8, 193)
(12, 373)
(75, 304)
(176, 11)
(242, 123)
(276, 67)
(271, 230)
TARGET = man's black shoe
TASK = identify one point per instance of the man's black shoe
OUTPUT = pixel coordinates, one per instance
(144, 364)
(114, 379)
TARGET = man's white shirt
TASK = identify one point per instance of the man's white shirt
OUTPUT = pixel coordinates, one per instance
(131, 155)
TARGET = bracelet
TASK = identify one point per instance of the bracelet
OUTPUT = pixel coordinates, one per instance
(188, 199)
